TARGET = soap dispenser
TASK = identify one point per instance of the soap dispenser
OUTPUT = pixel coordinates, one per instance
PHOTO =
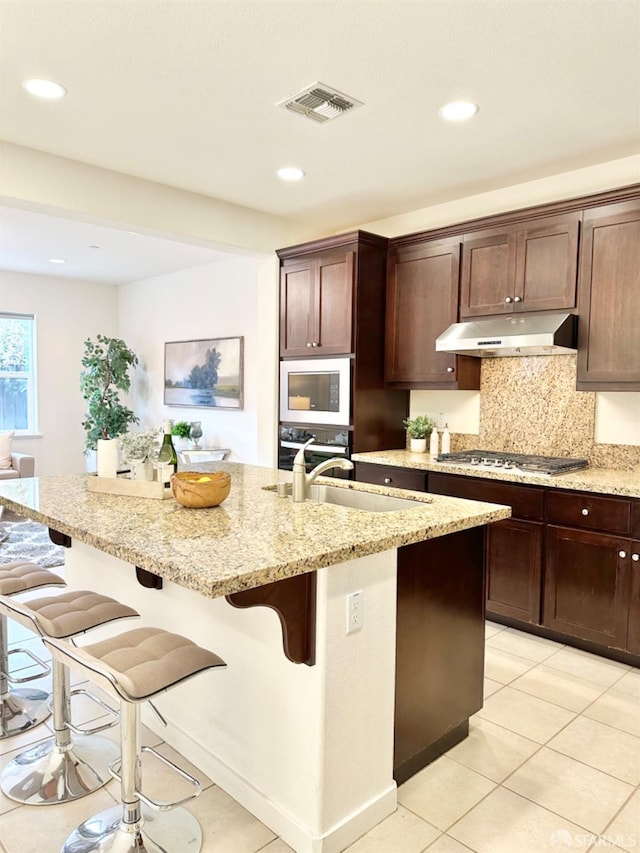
(446, 439)
(433, 443)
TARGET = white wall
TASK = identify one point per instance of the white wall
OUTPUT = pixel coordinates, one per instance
(222, 299)
(67, 312)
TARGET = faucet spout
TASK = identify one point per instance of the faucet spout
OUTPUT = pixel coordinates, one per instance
(327, 465)
(302, 481)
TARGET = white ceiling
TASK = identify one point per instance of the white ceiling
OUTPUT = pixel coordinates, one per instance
(183, 92)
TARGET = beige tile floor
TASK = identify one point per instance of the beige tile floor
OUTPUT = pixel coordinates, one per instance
(552, 763)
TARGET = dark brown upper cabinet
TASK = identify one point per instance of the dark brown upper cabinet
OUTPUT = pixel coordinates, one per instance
(529, 266)
(422, 301)
(609, 299)
(316, 304)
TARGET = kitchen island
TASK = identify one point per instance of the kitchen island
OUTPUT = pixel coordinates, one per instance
(308, 749)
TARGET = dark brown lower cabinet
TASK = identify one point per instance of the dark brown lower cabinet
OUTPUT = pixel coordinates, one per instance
(440, 646)
(514, 567)
(633, 623)
(514, 546)
(587, 585)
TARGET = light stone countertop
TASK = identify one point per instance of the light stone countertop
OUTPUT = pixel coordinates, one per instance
(606, 481)
(253, 538)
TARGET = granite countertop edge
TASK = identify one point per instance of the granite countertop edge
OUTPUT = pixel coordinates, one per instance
(606, 481)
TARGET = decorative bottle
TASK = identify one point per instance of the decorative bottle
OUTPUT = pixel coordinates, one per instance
(446, 439)
(167, 458)
(433, 443)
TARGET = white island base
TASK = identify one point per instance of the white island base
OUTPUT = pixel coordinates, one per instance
(306, 749)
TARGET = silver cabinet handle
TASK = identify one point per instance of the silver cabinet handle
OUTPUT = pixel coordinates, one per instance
(585, 511)
(507, 299)
(314, 344)
(308, 343)
(622, 554)
(450, 369)
(517, 299)
(387, 480)
(635, 557)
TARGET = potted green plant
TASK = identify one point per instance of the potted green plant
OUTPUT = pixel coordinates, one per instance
(418, 429)
(106, 363)
(180, 434)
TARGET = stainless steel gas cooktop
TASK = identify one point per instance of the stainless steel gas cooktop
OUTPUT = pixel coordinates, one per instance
(507, 461)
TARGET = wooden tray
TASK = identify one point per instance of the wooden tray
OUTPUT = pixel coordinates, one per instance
(125, 486)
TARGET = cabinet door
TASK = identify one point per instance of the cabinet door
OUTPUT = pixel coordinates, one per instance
(633, 624)
(609, 299)
(547, 264)
(333, 304)
(586, 585)
(514, 567)
(316, 312)
(488, 273)
(422, 301)
(297, 288)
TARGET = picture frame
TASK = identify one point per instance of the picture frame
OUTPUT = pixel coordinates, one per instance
(204, 374)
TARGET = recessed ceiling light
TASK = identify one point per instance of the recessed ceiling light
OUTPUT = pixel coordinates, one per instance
(290, 173)
(57, 261)
(458, 110)
(45, 88)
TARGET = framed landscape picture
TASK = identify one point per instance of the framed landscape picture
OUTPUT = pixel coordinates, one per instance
(204, 374)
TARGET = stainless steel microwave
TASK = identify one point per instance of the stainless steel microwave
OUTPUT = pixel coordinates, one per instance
(316, 391)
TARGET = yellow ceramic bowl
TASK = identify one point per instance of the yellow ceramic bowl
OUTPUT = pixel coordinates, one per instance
(199, 489)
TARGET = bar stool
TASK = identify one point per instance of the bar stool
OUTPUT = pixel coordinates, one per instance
(135, 667)
(62, 768)
(21, 709)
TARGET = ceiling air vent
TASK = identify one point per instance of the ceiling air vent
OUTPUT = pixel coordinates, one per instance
(320, 102)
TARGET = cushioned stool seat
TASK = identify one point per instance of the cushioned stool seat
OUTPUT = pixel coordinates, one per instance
(63, 768)
(23, 708)
(134, 667)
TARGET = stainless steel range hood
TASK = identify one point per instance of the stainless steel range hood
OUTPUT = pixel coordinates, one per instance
(517, 334)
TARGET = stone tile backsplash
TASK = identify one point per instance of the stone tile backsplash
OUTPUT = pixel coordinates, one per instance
(530, 405)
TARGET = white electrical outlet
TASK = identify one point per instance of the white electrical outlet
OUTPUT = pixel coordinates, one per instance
(355, 615)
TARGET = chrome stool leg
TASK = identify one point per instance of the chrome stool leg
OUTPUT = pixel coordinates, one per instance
(132, 827)
(62, 768)
(23, 708)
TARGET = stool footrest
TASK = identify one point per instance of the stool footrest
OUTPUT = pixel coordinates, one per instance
(161, 807)
(92, 730)
(14, 679)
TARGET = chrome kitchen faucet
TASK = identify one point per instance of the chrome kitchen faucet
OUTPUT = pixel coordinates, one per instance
(302, 481)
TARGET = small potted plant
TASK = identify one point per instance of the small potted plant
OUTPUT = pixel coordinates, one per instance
(418, 429)
(135, 448)
(180, 434)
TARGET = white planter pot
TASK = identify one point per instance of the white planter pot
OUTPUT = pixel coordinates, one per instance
(418, 445)
(180, 443)
(108, 455)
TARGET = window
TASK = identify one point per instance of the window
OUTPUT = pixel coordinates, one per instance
(17, 373)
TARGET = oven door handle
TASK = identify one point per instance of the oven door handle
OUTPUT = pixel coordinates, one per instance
(336, 450)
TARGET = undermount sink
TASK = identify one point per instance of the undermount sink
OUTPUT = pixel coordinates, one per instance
(355, 499)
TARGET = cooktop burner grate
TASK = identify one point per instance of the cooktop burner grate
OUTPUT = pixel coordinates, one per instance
(520, 461)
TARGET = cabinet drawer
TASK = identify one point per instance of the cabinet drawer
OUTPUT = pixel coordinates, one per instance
(525, 502)
(581, 509)
(386, 475)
